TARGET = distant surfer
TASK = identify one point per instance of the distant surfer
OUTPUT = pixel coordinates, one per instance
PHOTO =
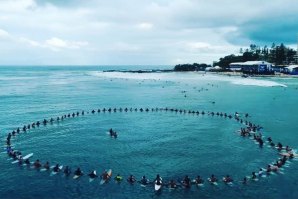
(144, 180)
(78, 172)
(67, 170)
(131, 179)
(37, 164)
(118, 178)
(92, 174)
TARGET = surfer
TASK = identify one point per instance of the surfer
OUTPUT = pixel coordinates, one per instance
(172, 184)
(92, 174)
(253, 175)
(78, 172)
(105, 175)
(227, 179)
(131, 179)
(260, 173)
(37, 164)
(186, 182)
(212, 179)
(56, 168)
(244, 180)
(47, 166)
(199, 180)
(67, 170)
(27, 161)
(118, 178)
(144, 180)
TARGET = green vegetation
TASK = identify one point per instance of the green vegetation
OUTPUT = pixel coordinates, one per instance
(191, 67)
(277, 55)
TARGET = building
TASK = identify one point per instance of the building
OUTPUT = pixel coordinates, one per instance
(252, 67)
(292, 69)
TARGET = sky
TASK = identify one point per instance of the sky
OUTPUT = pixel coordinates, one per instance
(140, 32)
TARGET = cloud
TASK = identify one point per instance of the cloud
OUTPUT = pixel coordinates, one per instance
(145, 26)
(141, 32)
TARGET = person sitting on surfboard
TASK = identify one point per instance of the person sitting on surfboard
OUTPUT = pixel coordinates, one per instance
(56, 168)
(157, 178)
(212, 178)
(253, 175)
(67, 170)
(105, 175)
(172, 184)
(260, 172)
(227, 179)
(78, 172)
(144, 180)
(199, 180)
(27, 161)
(244, 180)
(47, 166)
(37, 164)
(131, 179)
(92, 174)
(186, 182)
(111, 132)
(279, 145)
(118, 178)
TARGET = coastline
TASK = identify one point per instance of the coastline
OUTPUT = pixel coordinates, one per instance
(226, 73)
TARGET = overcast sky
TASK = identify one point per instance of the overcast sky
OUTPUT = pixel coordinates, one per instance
(120, 32)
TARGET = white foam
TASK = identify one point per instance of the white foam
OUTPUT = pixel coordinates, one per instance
(256, 82)
(177, 76)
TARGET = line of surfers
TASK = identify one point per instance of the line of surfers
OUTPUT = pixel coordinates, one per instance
(186, 182)
(74, 114)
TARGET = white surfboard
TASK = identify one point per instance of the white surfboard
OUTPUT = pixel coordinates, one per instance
(24, 158)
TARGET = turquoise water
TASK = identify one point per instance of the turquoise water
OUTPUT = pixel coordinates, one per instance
(171, 144)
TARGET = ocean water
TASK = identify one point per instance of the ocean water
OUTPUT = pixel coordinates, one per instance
(149, 143)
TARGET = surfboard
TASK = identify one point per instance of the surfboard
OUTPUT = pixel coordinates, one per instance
(24, 158)
(109, 176)
(77, 176)
(213, 183)
(157, 187)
